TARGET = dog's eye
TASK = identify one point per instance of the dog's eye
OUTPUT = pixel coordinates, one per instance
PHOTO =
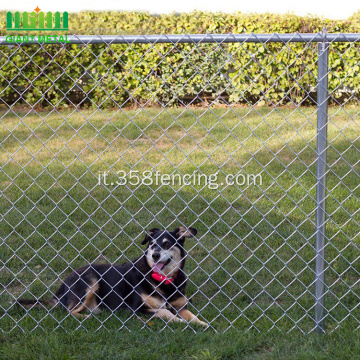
(166, 245)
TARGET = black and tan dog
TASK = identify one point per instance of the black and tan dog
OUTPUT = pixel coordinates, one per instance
(153, 283)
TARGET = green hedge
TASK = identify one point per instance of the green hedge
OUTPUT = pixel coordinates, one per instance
(108, 76)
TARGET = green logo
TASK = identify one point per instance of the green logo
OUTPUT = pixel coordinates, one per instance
(36, 21)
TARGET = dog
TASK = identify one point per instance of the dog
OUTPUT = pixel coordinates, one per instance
(153, 283)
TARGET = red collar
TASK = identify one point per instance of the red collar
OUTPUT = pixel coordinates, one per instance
(162, 278)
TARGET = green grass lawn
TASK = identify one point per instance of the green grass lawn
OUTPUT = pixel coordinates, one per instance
(251, 265)
(342, 344)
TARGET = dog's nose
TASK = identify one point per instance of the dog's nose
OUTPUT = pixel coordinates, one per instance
(156, 256)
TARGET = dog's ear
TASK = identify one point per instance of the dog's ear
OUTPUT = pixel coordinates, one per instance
(183, 232)
(148, 235)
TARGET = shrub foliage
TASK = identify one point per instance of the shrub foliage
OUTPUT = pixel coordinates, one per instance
(144, 74)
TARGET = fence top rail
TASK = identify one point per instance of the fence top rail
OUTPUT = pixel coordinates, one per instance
(189, 38)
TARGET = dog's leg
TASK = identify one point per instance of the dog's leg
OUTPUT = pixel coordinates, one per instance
(88, 301)
(180, 307)
(189, 316)
(93, 306)
(156, 306)
(166, 315)
(77, 311)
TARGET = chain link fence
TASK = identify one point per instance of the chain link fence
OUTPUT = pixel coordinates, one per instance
(105, 137)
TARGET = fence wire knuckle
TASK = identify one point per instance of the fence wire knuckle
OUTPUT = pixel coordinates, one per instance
(264, 127)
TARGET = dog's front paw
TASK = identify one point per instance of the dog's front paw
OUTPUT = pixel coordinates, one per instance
(202, 323)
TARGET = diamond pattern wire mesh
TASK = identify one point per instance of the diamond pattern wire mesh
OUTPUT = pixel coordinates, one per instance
(191, 103)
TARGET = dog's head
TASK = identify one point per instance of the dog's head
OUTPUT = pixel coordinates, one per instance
(165, 253)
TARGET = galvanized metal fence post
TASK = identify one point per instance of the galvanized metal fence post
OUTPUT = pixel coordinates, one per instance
(322, 118)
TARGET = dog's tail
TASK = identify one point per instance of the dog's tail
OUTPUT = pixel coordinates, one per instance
(35, 303)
